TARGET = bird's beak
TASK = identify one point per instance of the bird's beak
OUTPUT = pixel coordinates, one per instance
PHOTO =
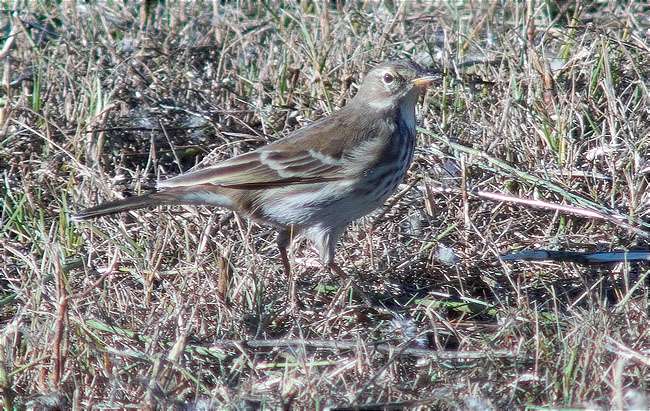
(425, 80)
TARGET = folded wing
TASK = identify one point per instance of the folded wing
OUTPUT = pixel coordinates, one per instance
(270, 166)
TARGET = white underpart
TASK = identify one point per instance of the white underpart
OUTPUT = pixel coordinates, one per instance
(208, 197)
(323, 225)
(286, 206)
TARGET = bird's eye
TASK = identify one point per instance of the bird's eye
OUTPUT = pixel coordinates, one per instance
(388, 78)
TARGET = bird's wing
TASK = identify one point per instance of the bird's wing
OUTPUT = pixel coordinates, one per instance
(338, 147)
(267, 167)
(310, 155)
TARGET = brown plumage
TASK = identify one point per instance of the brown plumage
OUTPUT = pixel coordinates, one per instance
(318, 179)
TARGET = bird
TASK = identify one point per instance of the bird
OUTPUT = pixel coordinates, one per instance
(317, 180)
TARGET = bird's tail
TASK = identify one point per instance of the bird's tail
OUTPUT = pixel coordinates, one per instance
(127, 204)
(200, 194)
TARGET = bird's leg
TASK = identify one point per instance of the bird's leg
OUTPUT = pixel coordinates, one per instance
(289, 274)
(284, 238)
(325, 241)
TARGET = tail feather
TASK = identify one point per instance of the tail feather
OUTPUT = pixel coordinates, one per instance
(127, 204)
(198, 195)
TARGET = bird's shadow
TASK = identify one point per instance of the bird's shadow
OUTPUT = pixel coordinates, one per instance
(470, 291)
(477, 289)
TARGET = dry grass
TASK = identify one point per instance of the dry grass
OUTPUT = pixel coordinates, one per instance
(184, 307)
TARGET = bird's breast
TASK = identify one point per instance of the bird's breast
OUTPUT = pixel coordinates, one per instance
(377, 167)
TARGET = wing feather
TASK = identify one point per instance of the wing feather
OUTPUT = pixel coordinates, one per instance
(265, 168)
(327, 150)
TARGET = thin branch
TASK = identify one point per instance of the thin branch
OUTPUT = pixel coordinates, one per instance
(506, 169)
(580, 211)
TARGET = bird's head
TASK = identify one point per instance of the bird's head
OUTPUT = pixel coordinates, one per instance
(393, 83)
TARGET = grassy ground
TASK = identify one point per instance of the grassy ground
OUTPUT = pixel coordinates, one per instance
(185, 307)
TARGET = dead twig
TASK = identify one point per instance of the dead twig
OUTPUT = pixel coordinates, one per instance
(579, 211)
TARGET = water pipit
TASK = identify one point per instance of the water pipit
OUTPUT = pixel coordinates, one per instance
(318, 179)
